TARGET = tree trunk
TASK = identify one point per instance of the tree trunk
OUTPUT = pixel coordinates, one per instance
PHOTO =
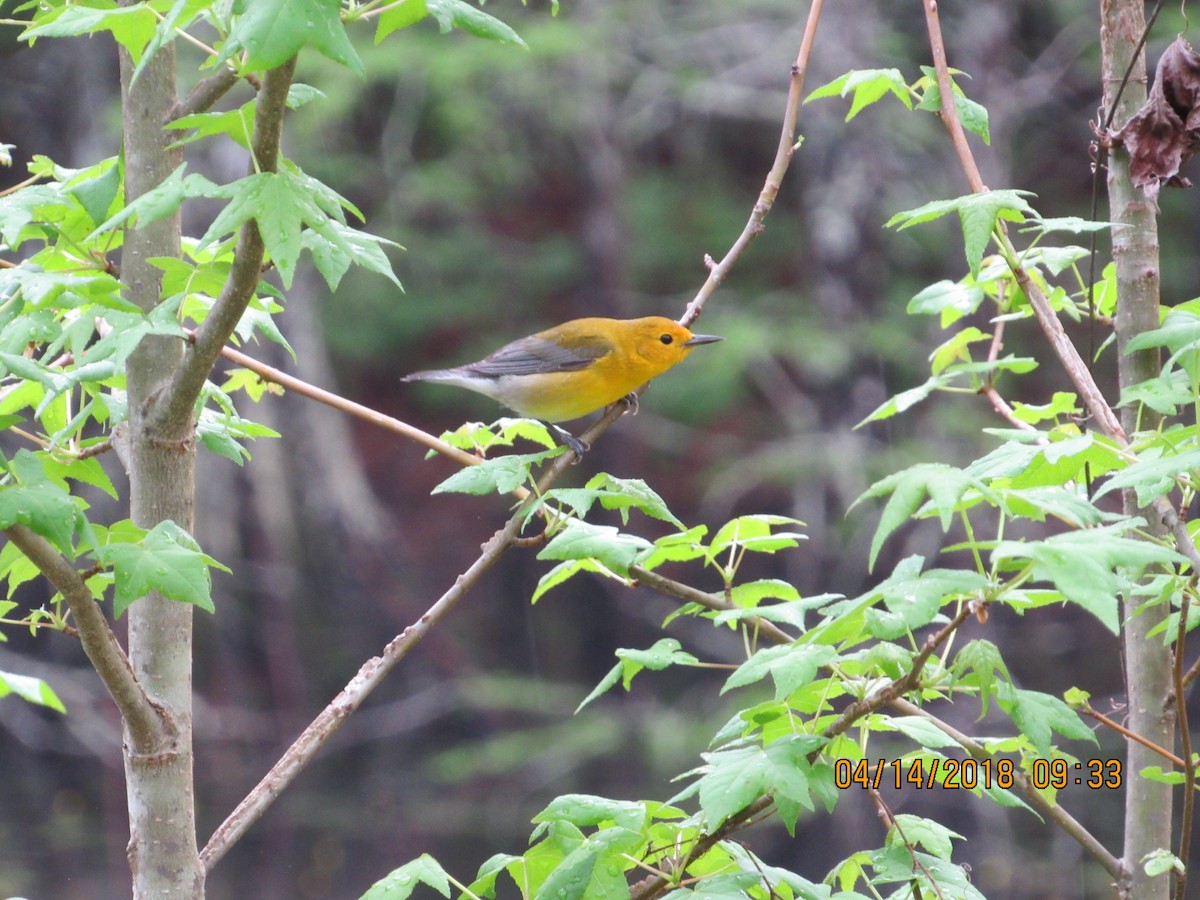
(161, 463)
(1135, 251)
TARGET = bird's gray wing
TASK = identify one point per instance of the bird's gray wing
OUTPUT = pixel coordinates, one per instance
(535, 355)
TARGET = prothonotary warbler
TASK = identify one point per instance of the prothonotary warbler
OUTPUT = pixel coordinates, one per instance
(575, 368)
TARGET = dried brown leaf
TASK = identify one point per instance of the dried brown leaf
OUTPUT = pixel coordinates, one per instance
(1166, 130)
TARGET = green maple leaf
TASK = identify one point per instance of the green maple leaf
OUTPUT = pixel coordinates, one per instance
(978, 214)
(270, 32)
(33, 500)
(167, 560)
(131, 26)
(281, 204)
(611, 548)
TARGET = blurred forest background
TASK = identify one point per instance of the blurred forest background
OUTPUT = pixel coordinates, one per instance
(588, 176)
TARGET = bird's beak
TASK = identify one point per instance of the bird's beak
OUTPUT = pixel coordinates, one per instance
(697, 339)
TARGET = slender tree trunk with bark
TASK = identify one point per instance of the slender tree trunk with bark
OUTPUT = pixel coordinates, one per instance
(1135, 251)
(161, 465)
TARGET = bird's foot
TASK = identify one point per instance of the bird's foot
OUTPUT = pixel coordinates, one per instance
(577, 446)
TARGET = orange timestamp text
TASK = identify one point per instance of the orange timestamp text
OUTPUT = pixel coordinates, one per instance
(971, 774)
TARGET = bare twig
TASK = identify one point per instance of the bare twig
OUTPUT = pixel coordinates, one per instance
(783, 158)
(1000, 405)
(1184, 542)
(299, 386)
(948, 113)
(1130, 735)
(96, 449)
(146, 723)
(1192, 672)
(310, 742)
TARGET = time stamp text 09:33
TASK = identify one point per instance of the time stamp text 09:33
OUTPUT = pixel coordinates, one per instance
(970, 774)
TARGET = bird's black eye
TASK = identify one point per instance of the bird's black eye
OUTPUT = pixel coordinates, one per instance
(666, 339)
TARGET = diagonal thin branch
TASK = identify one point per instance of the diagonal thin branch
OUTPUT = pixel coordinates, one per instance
(1120, 729)
(783, 158)
(173, 411)
(146, 722)
(890, 822)
(299, 386)
(310, 742)
(1068, 356)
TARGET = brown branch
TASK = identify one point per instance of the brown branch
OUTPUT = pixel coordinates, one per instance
(948, 112)
(1191, 674)
(1077, 370)
(310, 742)
(783, 157)
(174, 407)
(146, 723)
(903, 685)
(1133, 736)
(1184, 542)
(1006, 412)
(999, 404)
(96, 449)
(206, 93)
(1068, 356)
(299, 386)
(689, 594)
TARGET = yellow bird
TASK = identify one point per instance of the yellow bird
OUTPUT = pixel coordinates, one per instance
(575, 368)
